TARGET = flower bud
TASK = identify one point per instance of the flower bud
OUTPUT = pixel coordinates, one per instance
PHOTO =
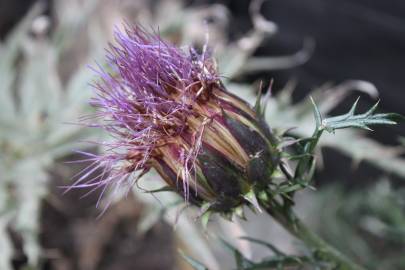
(168, 110)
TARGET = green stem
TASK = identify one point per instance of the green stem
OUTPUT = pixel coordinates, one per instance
(309, 149)
(322, 250)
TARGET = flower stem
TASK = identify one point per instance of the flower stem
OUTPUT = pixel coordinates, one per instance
(322, 250)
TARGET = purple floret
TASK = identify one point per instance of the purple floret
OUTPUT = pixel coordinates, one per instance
(143, 98)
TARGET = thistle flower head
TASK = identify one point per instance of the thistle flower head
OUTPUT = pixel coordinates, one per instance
(167, 109)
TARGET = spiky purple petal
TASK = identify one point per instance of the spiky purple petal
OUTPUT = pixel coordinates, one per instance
(143, 99)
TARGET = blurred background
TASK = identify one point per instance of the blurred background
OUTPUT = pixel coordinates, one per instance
(334, 51)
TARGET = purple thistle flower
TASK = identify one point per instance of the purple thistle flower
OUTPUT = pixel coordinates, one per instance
(167, 109)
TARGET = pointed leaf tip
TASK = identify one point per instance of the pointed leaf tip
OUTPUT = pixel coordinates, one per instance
(251, 198)
(317, 113)
(353, 108)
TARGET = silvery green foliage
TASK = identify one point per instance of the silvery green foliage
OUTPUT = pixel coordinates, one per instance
(368, 224)
(34, 110)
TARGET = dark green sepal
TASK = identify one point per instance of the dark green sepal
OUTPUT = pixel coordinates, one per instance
(251, 140)
(263, 157)
(224, 178)
(259, 169)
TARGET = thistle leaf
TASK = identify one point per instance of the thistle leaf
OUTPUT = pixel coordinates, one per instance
(363, 121)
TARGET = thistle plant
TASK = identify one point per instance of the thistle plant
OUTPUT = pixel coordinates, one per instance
(166, 109)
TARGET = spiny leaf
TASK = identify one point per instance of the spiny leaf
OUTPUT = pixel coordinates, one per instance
(363, 121)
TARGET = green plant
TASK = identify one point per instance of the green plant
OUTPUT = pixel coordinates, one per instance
(34, 104)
